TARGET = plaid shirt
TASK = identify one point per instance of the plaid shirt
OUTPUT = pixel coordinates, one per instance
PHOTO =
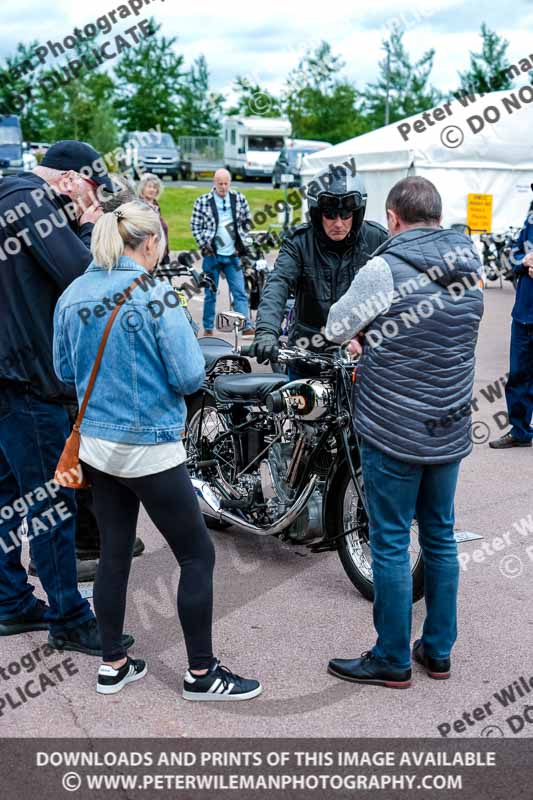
(204, 220)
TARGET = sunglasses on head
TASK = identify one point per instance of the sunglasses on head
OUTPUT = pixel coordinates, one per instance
(332, 206)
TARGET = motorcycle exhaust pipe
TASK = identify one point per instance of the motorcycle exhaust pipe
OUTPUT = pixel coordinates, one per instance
(210, 506)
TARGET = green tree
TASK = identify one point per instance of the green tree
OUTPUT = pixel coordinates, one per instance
(54, 104)
(83, 109)
(488, 69)
(319, 103)
(199, 108)
(150, 79)
(253, 99)
(407, 84)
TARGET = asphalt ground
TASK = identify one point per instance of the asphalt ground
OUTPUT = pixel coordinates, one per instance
(281, 613)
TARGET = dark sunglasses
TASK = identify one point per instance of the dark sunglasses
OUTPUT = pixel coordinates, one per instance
(332, 206)
(333, 213)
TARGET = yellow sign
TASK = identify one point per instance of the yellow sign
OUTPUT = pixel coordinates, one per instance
(479, 213)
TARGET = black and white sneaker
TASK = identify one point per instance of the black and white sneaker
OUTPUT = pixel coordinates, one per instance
(111, 680)
(219, 684)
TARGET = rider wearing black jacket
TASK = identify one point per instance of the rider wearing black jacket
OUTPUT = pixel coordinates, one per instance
(315, 267)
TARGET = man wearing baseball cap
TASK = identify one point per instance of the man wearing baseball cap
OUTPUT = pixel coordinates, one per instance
(46, 222)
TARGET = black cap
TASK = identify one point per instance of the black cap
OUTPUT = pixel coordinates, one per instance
(80, 157)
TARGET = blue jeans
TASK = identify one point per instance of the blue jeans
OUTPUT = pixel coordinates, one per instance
(32, 436)
(396, 492)
(231, 267)
(519, 387)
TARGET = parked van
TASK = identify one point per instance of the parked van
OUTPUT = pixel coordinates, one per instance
(150, 151)
(252, 144)
(287, 168)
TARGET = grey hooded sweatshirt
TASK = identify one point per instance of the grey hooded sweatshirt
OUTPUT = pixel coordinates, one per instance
(419, 301)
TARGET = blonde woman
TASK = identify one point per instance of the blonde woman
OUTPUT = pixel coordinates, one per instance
(131, 447)
(149, 191)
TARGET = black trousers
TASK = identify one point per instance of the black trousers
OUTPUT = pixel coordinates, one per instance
(519, 387)
(171, 504)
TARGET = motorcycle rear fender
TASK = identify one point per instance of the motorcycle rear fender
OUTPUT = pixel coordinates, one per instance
(204, 390)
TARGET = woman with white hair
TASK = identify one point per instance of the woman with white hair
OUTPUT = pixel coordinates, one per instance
(149, 191)
(131, 449)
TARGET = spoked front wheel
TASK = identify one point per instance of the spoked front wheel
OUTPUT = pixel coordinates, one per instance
(206, 426)
(354, 548)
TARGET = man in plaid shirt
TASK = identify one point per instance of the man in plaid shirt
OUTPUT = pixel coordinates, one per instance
(219, 223)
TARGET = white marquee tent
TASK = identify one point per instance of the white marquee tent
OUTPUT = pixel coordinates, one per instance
(497, 160)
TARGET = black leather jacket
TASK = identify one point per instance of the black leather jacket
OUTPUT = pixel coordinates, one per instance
(318, 272)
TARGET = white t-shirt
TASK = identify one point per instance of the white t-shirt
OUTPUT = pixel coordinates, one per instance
(225, 241)
(130, 460)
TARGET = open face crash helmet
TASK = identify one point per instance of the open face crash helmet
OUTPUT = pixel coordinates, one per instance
(336, 191)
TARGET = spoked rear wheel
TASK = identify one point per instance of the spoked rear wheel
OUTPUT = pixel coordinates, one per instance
(354, 548)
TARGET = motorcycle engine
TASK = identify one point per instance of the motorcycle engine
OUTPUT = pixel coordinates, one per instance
(279, 495)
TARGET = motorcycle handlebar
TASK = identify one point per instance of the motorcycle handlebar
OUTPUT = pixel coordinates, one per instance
(286, 355)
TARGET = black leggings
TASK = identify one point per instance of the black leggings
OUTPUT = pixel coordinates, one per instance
(171, 504)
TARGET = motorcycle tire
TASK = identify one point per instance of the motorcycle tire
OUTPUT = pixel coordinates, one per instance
(350, 548)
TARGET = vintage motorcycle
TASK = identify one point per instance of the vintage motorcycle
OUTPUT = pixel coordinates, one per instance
(256, 267)
(274, 457)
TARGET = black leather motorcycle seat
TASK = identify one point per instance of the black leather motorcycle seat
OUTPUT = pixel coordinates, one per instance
(247, 388)
(214, 348)
(213, 341)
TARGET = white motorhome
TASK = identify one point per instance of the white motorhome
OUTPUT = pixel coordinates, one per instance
(252, 144)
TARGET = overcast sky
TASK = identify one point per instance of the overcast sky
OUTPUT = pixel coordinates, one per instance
(264, 41)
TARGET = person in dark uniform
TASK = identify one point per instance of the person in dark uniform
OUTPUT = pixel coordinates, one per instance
(519, 387)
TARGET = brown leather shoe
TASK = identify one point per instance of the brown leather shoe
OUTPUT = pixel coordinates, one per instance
(208, 333)
(248, 332)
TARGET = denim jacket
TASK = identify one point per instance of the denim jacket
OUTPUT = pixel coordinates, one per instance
(151, 359)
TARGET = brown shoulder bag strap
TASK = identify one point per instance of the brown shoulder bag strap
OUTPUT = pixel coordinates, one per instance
(100, 353)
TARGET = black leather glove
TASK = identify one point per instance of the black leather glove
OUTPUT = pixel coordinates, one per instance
(266, 347)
